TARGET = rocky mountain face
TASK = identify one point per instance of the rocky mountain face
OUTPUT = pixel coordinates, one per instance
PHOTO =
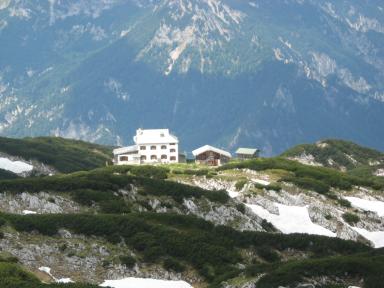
(223, 72)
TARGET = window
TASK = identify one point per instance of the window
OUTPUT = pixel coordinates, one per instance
(173, 158)
(143, 148)
(153, 147)
(163, 147)
(172, 144)
(173, 150)
(123, 158)
(143, 158)
(164, 157)
(153, 157)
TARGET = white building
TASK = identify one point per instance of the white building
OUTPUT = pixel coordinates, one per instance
(151, 146)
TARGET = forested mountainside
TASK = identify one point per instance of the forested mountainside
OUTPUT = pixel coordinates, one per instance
(225, 72)
(268, 222)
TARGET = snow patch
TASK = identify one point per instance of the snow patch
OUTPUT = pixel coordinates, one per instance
(144, 283)
(368, 205)
(376, 237)
(233, 194)
(291, 219)
(28, 212)
(65, 280)
(379, 173)
(15, 166)
(47, 270)
(260, 181)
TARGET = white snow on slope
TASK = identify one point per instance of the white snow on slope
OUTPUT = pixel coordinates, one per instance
(233, 194)
(15, 166)
(376, 237)
(29, 212)
(47, 270)
(368, 205)
(144, 283)
(291, 219)
(260, 181)
(65, 280)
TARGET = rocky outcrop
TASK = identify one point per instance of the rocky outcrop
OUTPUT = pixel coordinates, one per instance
(40, 203)
(80, 258)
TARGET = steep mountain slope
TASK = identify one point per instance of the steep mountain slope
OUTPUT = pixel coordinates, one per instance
(222, 72)
(341, 155)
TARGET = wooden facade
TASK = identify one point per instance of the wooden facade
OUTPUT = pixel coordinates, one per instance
(211, 158)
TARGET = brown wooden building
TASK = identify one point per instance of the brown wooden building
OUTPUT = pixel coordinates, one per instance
(211, 156)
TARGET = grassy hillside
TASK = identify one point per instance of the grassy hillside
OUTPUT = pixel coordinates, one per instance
(64, 155)
(339, 154)
(319, 179)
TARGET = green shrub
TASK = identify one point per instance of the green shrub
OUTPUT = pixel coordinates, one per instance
(153, 253)
(174, 265)
(309, 184)
(5, 174)
(128, 261)
(363, 266)
(240, 184)
(267, 226)
(351, 218)
(267, 253)
(240, 207)
(150, 171)
(114, 207)
(344, 202)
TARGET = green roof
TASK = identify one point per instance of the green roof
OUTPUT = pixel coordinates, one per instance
(247, 151)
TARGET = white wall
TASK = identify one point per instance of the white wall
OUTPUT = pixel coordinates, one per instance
(159, 152)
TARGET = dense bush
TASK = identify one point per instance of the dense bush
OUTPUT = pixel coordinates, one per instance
(274, 187)
(5, 174)
(351, 218)
(344, 202)
(267, 253)
(174, 265)
(179, 191)
(360, 266)
(309, 184)
(128, 261)
(194, 172)
(240, 184)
